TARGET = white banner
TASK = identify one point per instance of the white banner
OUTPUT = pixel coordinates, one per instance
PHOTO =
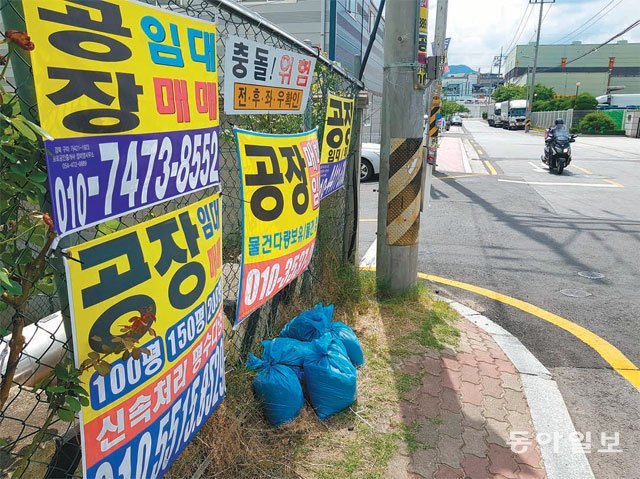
(259, 78)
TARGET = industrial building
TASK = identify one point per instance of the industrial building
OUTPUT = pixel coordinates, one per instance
(470, 86)
(341, 30)
(615, 65)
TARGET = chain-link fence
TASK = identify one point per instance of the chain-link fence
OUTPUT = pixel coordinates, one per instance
(33, 441)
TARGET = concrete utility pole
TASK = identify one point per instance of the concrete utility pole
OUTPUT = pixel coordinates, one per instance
(527, 122)
(401, 151)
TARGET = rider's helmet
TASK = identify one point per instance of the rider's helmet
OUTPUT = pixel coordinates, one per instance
(559, 121)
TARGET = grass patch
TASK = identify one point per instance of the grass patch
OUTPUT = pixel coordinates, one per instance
(405, 383)
(360, 442)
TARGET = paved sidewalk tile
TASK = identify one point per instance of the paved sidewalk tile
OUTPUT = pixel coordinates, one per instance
(468, 404)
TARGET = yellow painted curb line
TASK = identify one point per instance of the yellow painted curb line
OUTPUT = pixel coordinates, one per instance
(612, 355)
(490, 167)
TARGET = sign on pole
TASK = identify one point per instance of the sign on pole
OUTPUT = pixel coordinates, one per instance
(129, 94)
(336, 140)
(280, 181)
(422, 32)
(259, 78)
(156, 288)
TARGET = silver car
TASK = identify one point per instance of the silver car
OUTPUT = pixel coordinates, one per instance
(370, 161)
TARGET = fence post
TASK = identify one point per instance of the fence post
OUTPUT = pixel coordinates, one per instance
(352, 184)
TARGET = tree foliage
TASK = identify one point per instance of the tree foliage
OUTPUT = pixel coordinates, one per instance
(509, 92)
(515, 92)
(586, 101)
(451, 108)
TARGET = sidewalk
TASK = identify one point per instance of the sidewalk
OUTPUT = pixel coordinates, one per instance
(471, 399)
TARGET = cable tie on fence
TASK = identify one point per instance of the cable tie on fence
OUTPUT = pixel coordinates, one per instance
(59, 251)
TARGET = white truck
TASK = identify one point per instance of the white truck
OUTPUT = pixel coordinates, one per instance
(618, 100)
(494, 117)
(513, 114)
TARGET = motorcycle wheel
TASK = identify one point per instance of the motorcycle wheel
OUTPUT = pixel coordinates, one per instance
(560, 164)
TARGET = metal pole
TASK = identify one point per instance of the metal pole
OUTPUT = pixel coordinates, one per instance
(401, 151)
(527, 123)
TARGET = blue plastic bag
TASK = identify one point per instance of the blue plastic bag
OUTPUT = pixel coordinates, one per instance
(289, 351)
(308, 325)
(330, 377)
(312, 324)
(345, 334)
(276, 386)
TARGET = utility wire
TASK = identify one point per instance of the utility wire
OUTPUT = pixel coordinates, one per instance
(516, 36)
(595, 49)
(590, 20)
(543, 19)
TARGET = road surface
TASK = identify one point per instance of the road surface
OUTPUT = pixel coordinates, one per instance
(497, 218)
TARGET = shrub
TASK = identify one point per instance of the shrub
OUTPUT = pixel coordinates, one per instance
(485, 115)
(596, 122)
(586, 101)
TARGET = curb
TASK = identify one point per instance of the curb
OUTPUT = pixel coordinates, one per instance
(549, 412)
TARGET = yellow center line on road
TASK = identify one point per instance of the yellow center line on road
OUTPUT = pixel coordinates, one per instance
(490, 167)
(584, 170)
(614, 183)
(612, 355)
(368, 220)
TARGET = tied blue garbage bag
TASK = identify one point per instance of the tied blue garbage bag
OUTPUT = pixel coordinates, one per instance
(276, 386)
(308, 325)
(330, 377)
(290, 351)
(345, 334)
(312, 324)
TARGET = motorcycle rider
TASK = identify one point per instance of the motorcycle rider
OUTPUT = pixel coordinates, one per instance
(558, 131)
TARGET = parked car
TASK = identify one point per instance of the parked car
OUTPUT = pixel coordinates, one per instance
(370, 161)
(456, 121)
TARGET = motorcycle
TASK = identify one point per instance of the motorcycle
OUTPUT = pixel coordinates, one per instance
(557, 153)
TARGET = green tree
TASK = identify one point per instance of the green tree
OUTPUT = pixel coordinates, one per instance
(509, 92)
(596, 122)
(586, 101)
(544, 93)
(451, 108)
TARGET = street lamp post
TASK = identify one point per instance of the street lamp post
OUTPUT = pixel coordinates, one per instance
(577, 89)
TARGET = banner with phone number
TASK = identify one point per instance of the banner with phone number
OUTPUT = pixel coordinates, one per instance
(157, 283)
(335, 144)
(129, 94)
(280, 178)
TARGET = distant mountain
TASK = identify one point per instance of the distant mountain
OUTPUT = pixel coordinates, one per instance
(453, 69)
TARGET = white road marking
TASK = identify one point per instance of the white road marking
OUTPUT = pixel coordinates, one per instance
(550, 183)
(536, 168)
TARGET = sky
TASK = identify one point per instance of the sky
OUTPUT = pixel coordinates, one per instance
(478, 28)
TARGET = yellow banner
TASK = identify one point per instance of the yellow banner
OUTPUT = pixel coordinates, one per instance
(146, 311)
(337, 129)
(281, 198)
(121, 67)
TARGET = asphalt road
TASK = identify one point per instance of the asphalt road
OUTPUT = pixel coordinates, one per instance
(527, 233)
